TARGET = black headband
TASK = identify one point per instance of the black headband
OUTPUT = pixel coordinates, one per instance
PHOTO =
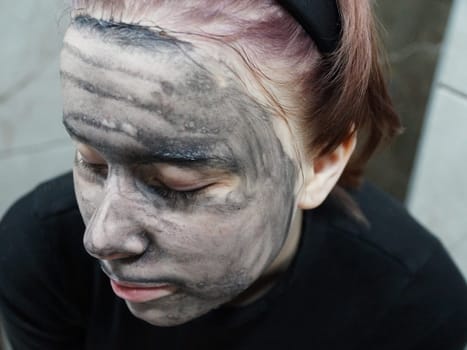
(320, 19)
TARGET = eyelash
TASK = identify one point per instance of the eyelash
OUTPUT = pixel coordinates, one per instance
(95, 170)
(173, 195)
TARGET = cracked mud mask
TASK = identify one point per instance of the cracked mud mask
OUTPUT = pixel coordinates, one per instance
(181, 179)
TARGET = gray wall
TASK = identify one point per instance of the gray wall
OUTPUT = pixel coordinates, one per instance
(438, 192)
(414, 31)
(33, 145)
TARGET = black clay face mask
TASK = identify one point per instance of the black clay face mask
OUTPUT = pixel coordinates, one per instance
(181, 179)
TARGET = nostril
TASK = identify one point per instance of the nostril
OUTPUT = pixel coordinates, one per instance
(98, 251)
(107, 253)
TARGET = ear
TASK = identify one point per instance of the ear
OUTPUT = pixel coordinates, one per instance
(323, 172)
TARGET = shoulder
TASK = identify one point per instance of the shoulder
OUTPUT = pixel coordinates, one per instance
(44, 220)
(40, 238)
(391, 229)
(40, 248)
(391, 236)
(39, 218)
(405, 282)
(47, 201)
(385, 231)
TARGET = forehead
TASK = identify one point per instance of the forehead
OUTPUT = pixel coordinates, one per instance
(156, 93)
(150, 66)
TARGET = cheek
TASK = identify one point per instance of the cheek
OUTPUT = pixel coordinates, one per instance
(219, 244)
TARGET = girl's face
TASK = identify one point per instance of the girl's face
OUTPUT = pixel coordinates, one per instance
(180, 176)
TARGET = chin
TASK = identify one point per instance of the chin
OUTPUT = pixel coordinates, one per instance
(158, 317)
(166, 315)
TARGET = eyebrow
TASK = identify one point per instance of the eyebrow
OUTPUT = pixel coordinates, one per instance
(183, 152)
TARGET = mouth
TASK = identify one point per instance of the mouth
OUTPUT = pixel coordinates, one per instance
(138, 292)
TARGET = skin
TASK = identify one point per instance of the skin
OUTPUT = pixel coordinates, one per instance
(180, 175)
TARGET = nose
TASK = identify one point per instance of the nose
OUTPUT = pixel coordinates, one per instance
(112, 233)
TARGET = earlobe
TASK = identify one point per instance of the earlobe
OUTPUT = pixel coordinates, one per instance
(323, 172)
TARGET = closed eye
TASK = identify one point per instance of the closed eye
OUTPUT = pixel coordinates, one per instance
(93, 170)
(169, 193)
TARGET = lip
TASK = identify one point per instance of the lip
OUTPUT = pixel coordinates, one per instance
(137, 293)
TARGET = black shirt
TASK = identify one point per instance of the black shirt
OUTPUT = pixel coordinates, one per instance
(389, 285)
